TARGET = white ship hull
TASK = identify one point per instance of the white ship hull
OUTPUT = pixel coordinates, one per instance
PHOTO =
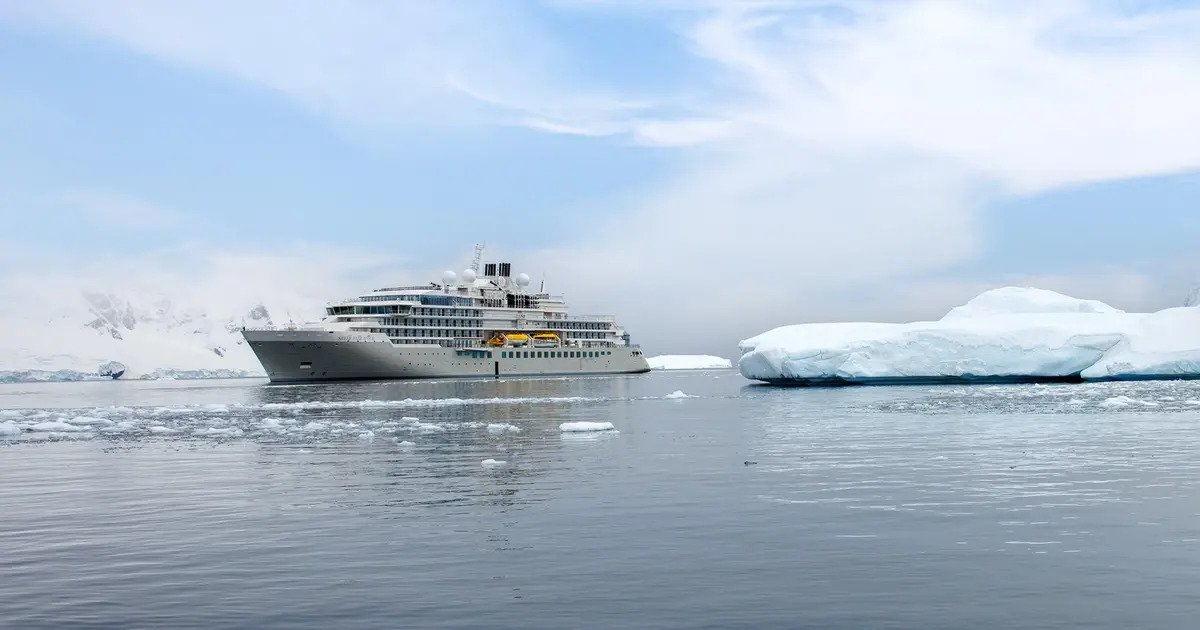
(291, 356)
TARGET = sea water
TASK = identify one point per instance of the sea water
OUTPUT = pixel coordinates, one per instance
(668, 500)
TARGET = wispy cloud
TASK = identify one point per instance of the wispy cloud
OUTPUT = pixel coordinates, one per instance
(821, 145)
(117, 210)
(394, 64)
(853, 144)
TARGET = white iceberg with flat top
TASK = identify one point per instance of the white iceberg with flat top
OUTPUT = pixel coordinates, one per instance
(1007, 334)
(688, 362)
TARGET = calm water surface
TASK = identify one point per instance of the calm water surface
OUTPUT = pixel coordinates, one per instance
(233, 504)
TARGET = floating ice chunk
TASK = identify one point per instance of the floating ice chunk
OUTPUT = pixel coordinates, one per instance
(503, 427)
(271, 424)
(687, 362)
(218, 432)
(492, 463)
(77, 420)
(1010, 333)
(315, 426)
(404, 443)
(428, 427)
(583, 427)
(367, 436)
(61, 427)
(9, 429)
(161, 429)
(678, 394)
(1125, 401)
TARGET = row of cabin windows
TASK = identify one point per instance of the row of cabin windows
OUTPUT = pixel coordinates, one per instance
(445, 343)
(408, 333)
(391, 298)
(448, 312)
(586, 335)
(561, 325)
(458, 329)
(421, 321)
(420, 332)
(554, 354)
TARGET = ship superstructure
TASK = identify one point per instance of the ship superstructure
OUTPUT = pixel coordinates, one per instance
(475, 323)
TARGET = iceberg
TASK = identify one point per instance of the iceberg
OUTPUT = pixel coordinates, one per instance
(688, 362)
(1010, 334)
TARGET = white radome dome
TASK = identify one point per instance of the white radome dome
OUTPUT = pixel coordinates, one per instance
(522, 280)
(449, 277)
(468, 276)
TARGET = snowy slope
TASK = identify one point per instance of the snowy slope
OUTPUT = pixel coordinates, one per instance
(152, 336)
(687, 362)
(1007, 333)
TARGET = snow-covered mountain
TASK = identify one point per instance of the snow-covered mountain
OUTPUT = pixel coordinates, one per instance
(152, 336)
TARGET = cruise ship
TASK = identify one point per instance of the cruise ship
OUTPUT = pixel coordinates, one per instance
(474, 323)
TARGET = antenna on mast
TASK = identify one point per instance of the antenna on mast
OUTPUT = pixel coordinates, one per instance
(478, 257)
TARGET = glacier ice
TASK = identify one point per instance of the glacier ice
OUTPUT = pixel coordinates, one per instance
(687, 362)
(584, 427)
(1010, 333)
(64, 336)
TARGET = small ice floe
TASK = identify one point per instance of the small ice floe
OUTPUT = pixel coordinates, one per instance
(678, 394)
(409, 419)
(428, 427)
(366, 436)
(161, 429)
(120, 427)
(492, 463)
(315, 426)
(503, 427)
(56, 426)
(9, 429)
(584, 427)
(84, 420)
(400, 442)
(216, 432)
(1117, 402)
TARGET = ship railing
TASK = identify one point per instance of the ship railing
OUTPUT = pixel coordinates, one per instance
(595, 318)
(412, 287)
(286, 327)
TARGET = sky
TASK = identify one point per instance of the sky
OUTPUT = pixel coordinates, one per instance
(702, 169)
